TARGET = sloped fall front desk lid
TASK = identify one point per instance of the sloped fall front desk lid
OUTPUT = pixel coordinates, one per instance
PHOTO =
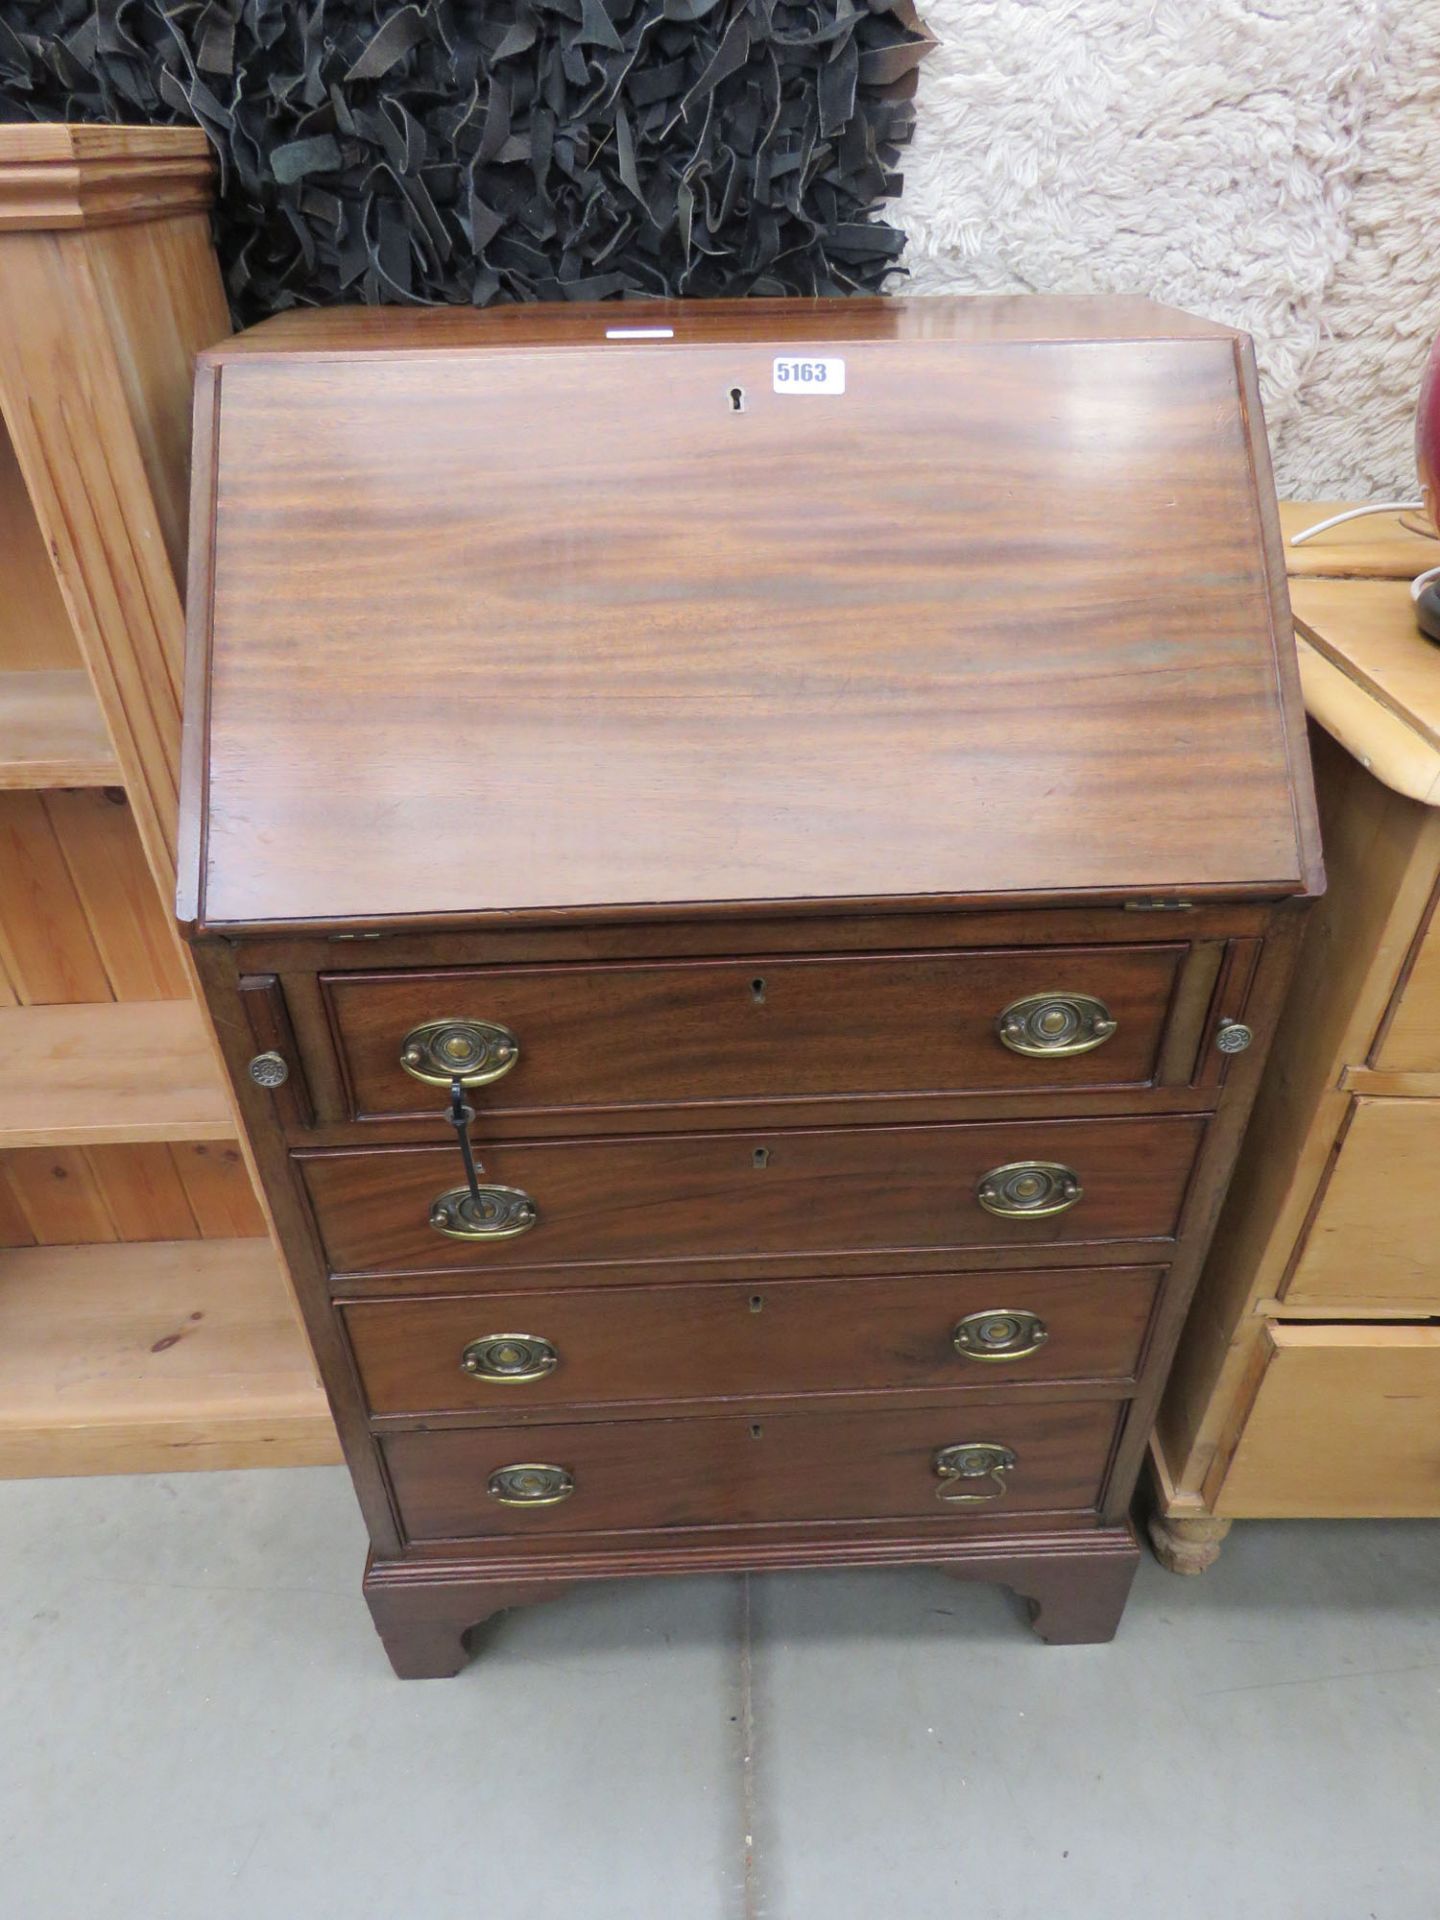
(637, 608)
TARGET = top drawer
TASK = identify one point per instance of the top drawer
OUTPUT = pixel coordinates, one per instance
(624, 1035)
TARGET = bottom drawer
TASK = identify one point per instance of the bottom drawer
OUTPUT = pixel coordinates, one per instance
(736, 1472)
(1346, 1425)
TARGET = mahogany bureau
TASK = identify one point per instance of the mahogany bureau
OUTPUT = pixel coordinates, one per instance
(812, 798)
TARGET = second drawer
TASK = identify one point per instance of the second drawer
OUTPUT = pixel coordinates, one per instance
(735, 1196)
(495, 1354)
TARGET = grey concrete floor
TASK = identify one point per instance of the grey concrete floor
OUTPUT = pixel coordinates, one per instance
(196, 1723)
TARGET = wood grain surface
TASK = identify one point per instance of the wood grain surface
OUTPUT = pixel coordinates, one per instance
(1367, 629)
(746, 754)
(522, 631)
(633, 1202)
(1384, 546)
(621, 1036)
(1344, 1426)
(726, 1471)
(1371, 1238)
(153, 1358)
(620, 1344)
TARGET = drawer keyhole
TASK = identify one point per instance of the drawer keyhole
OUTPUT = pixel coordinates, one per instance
(757, 991)
(761, 1157)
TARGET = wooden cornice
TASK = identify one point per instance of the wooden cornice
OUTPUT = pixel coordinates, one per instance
(63, 177)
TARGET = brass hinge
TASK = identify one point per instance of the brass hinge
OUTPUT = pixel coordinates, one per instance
(1159, 906)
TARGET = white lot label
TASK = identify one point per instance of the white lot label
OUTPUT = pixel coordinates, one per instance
(809, 376)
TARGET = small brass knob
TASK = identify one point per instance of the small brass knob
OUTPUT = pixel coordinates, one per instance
(509, 1358)
(972, 1460)
(1233, 1036)
(530, 1484)
(1029, 1190)
(269, 1070)
(1053, 1025)
(501, 1213)
(999, 1333)
(474, 1052)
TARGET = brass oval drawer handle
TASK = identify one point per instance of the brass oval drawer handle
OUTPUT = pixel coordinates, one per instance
(474, 1052)
(530, 1483)
(509, 1357)
(490, 1213)
(1029, 1190)
(1053, 1025)
(999, 1333)
(970, 1460)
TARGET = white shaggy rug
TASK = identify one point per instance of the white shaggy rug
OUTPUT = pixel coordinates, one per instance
(1272, 163)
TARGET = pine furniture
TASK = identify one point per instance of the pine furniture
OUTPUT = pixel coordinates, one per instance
(1308, 1380)
(824, 785)
(145, 1318)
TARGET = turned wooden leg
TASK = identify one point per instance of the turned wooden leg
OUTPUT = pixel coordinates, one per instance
(424, 1635)
(1185, 1543)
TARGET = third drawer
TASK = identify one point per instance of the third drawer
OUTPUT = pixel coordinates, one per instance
(496, 1354)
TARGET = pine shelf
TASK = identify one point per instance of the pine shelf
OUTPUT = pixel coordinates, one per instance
(123, 1354)
(153, 1357)
(92, 1075)
(52, 733)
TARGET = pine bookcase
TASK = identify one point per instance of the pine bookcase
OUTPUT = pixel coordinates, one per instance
(146, 1319)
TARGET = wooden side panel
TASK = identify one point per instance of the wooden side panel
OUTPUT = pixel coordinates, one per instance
(1375, 1238)
(128, 919)
(160, 287)
(66, 401)
(80, 919)
(49, 948)
(52, 733)
(217, 1185)
(34, 628)
(1346, 1425)
(1410, 1038)
(80, 1196)
(143, 1191)
(58, 1195)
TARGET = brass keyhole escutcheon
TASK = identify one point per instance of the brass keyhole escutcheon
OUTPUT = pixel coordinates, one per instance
(490, 1213)
(1055, 1025)
(1029, 1190)
(530, 1483)
(999, 1333)
(474, 1052)
(969, 1461)
(509, 1358)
